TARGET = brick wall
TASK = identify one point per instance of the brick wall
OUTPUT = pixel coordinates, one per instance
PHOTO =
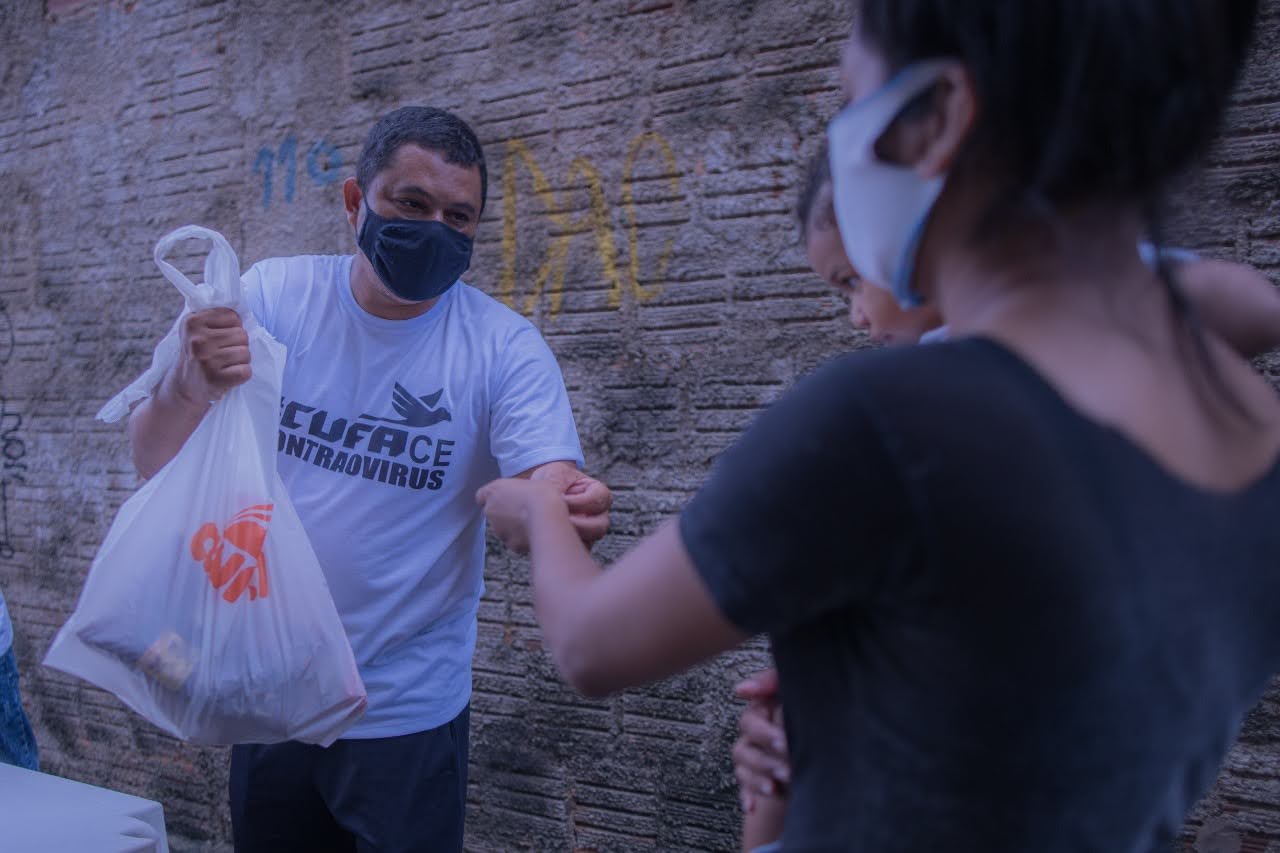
(643, 161)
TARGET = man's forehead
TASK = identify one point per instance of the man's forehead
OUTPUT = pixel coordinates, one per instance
(411, 157)
(414, 167)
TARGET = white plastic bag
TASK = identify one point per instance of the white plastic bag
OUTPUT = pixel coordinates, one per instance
(205, 609)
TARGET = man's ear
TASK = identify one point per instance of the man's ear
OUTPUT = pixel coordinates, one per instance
(351, 198)
(955, 109)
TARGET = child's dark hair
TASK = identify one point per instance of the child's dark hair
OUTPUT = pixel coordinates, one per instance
(817, 174)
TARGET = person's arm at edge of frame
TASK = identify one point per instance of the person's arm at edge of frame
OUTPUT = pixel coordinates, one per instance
(649, 616)
(1235, 301)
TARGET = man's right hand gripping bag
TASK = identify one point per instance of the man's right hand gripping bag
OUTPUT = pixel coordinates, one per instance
(205, 609)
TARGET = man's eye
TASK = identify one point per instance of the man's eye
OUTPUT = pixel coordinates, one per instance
(409, 203)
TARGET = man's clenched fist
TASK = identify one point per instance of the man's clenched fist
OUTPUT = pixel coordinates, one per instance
(214, 357)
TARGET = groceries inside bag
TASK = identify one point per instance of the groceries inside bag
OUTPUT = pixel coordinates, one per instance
(206, 610)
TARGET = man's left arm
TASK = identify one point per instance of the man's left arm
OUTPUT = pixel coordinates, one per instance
(533, 435)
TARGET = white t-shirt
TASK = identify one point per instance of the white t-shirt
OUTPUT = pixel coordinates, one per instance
(387, 429)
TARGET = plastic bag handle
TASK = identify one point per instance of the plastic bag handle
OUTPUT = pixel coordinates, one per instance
(221, 270)
(222, 287)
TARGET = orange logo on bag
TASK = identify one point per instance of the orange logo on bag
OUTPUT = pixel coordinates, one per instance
(245, 567)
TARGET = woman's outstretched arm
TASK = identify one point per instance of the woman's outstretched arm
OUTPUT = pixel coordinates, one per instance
(647, 617)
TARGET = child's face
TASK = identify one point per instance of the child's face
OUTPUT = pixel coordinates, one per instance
(870, 307)
(827, 257)
(889, 323)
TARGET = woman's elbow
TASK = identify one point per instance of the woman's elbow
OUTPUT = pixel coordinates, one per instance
(582, 667)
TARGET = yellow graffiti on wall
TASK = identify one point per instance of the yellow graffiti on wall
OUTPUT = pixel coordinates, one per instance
(551, 272)
(629, 203)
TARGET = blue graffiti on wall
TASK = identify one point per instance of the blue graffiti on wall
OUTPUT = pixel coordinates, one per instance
(324, 166)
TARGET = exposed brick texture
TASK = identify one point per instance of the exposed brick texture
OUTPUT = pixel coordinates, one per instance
(644, 156)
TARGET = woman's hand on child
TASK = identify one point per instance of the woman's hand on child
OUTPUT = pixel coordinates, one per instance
(760, 760)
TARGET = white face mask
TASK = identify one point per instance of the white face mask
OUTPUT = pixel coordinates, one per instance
(881, 208)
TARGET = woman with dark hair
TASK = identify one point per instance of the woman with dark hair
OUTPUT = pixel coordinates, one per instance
(1235, 301)
(1021, 586)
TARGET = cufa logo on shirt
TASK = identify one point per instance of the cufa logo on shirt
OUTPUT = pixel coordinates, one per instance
(415, 412)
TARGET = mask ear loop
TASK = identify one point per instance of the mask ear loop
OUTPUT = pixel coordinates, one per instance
(928, 71)
(914, 108)
(910, 111)
(905, 285)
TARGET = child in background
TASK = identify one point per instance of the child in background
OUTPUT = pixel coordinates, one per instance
(1233, 300)
(870, 308)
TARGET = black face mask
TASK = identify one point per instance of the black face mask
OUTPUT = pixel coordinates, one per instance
(416, 259)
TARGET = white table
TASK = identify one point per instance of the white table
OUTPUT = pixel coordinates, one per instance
(40, 813)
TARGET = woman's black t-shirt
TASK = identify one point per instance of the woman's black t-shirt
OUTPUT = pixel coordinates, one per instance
(1000, 626)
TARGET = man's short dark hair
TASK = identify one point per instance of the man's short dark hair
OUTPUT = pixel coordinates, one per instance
(427, 127)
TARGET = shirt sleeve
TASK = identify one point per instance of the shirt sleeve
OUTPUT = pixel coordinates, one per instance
(530, 420)
(253, 294)
(805, 514)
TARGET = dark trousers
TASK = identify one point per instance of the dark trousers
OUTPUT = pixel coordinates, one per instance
(403, 794)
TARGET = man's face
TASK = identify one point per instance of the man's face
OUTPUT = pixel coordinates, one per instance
(420, 184)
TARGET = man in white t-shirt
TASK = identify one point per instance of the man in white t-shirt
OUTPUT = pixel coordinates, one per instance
(405, 390)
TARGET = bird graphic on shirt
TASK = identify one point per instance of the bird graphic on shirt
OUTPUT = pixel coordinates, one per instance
(414, 411)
